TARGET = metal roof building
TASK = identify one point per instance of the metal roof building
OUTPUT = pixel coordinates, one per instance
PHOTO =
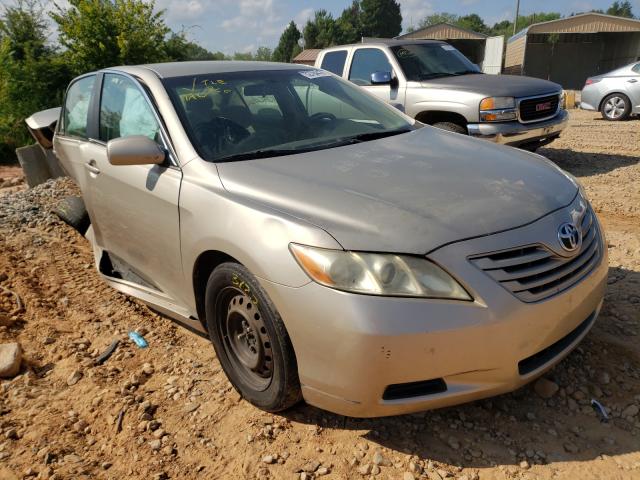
(481, 49)
(307, 57)
(569, 50)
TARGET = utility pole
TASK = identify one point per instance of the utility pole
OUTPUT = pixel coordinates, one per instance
(515, 22)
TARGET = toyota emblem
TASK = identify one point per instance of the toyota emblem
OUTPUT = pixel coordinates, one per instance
(569, 236)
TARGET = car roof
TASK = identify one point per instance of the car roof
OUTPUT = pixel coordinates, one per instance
(179, 69)
(389, 42)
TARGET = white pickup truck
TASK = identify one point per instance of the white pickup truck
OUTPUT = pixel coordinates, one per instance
(436, 84)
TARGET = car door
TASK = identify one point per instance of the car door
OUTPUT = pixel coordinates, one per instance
(633, 86)
(368, 60)
(134, 208)
(71, 139)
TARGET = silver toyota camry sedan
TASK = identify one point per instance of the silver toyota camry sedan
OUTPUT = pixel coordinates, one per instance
(615, 94)
(332, 248)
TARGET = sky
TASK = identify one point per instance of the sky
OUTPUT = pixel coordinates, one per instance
(244, 25)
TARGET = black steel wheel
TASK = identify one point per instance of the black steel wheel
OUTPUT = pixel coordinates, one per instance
(250, 339)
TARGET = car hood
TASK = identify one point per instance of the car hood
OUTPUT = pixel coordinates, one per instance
(495, 85)
(409, 193)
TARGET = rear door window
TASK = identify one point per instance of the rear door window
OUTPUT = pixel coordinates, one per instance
(76, 107)
(365, 62)
(334, 61)
(636, 68)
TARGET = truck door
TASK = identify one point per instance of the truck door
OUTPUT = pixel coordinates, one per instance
(368, 60)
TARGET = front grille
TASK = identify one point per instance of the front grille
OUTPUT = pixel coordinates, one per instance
(534, 272)
(539, 108)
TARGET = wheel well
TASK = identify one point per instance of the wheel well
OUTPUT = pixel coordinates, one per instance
(608, 95)
(205, 264)
(434, 116)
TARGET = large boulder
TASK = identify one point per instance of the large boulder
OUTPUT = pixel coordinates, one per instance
(10, 360)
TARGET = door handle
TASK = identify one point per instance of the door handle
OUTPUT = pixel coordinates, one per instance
(91, 166)
(633, 80)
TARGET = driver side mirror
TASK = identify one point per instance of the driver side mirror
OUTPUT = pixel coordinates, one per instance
(135, 150)
(381, 78)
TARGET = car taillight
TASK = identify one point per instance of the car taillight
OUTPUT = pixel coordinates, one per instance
(591, 81)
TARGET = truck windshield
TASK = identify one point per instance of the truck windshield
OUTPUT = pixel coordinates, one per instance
(424, 61)
(255, 114)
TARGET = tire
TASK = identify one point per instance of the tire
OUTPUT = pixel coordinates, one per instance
(250, 339)
(615, 107)
(73, 212)
(452, 127)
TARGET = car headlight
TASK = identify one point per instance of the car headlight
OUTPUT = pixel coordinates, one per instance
(377, 273)
(498, 109)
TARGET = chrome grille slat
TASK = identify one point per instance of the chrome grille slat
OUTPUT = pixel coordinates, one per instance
(534, 272)
(489, 264)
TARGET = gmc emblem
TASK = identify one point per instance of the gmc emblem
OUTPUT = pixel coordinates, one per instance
(543, 106)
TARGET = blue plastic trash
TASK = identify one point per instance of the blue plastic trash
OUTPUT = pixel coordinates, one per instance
(138, 339)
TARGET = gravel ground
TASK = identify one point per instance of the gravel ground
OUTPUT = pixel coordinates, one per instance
(167, 411)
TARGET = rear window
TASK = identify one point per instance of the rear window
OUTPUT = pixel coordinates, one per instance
(334, 62)
(76, 107)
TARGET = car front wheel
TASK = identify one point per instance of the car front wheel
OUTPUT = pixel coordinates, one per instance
(616, 107)
(250, 339)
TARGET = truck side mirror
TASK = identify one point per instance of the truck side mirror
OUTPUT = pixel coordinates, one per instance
(381, 78)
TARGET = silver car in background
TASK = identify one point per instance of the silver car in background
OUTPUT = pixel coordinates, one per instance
(332, 248)
(615, 94)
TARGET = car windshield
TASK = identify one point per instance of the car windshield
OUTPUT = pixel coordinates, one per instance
(253, 114)
(424, 61)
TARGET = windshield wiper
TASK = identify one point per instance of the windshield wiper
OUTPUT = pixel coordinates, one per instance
(365, 137)
(255, 154)
(467, 72)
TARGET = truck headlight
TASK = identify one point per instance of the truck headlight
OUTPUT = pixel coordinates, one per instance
(498, 109)
(377, 273)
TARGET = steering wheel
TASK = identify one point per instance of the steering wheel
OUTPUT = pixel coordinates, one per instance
(220, 131)
(323, 116)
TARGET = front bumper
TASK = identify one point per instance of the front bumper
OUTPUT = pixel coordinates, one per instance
(516, 133)
(350, 348)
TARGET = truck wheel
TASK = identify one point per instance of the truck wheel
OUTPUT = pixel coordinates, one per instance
(250, 339)
(73, 212)
(452, 127)
(616, 107)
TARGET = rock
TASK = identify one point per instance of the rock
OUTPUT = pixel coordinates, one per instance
(106, 465)
(322, 471)
(147, 369)
(268, 459)
(570, 447)
(524, 465)
(630, 411)
(453, 443)
(155, 445)
(74, 378)
(380, 460)
(72, 458)
(191, 407)
(604, 378)
(408, 476)
(11, 434)
(375, 470)
(364, 469)
(415, 468)
(546, 388)
(10, 359)
(310, 467)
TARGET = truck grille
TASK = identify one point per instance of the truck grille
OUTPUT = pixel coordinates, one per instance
(539, 108)
(534, 272)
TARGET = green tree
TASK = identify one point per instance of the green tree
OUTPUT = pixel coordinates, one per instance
(32, 75)
(102, 33)
(348, 25)
(288, 45)
(263, 54)
(621, 9)
(506, 27)
(473, 22)
(380, 18)
(321, 31)
(178, 49)
(435, 18)
(243, 56)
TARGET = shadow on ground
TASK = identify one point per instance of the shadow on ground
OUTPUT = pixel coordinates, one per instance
(583, 164)
(511, 428)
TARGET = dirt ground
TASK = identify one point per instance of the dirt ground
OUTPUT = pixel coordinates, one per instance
(168, 411)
